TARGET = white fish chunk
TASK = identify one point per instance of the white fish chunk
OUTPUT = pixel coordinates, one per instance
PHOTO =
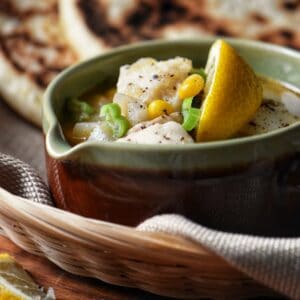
(166, 133)
(132, 108)
(177, 117)
(148, 79)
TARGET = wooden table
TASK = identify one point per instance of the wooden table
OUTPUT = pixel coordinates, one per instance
(68, 286)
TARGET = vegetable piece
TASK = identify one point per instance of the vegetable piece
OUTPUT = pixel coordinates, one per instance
(120, 126)
(186, 105)
(102, 133)
(82, 130)
(192, 118)
(159, 107)
(79, 110)
(110, 111)
(200, 72)
(191, 86)
(191, 115)
(112, 114)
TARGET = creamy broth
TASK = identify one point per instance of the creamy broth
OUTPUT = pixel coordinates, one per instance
(280, 108)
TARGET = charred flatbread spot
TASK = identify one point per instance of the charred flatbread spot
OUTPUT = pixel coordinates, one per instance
(33, 52)
(24, 52)
(290, 5)
(140, 15)
(282, 36)
(8, 8)
(93, 12)
(287, 34)
(40, 59)
(171, 12)
(223, 31)
(146, 20)
(259, 18)
(200, 20)
(149, 19)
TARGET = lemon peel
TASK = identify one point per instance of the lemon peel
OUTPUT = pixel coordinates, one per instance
(232, 94)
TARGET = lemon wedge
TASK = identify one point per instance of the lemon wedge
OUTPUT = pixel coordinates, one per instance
(232, 94)
(16, 284)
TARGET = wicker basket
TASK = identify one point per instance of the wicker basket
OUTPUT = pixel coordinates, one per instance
(159, 263)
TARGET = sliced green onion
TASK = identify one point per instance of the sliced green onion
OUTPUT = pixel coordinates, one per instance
(199, 71)
(80, 106)
(190, 114)
(80, 110)
(186, 104)
(111, 112)
(191, 119)
(120, 126)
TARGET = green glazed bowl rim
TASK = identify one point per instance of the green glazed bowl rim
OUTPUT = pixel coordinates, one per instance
(52, 130)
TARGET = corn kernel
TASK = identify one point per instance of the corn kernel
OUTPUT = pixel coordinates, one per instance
(159, 107)
(191, 86)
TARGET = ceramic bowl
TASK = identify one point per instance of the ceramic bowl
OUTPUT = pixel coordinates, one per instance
(248, 184)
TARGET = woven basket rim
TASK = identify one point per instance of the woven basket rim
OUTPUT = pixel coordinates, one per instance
(124, 256)
(55, 220)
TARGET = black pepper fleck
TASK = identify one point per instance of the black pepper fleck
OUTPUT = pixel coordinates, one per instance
(268, 106)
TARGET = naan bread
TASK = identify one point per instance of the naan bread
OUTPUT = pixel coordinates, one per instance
(32, 53)
(94, 26)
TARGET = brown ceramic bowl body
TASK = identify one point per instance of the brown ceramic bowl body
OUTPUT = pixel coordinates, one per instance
(249, 184)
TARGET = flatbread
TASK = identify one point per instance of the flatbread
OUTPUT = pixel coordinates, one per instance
(32, 53)
(95, 26)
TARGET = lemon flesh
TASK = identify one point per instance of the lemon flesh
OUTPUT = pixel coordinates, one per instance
(16, 284)
(232, 94)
